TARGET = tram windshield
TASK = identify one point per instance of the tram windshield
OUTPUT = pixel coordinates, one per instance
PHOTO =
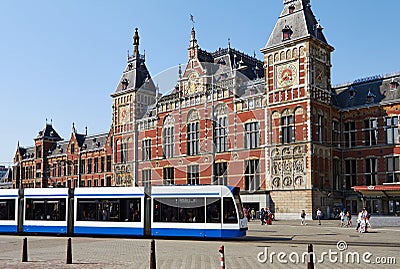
(7, 209)
(45, 209)
(238, 202)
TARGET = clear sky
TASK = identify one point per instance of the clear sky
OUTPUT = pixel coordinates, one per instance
(61, 60)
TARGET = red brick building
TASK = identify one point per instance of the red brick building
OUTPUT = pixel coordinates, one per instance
(276, 128)
(83, 161)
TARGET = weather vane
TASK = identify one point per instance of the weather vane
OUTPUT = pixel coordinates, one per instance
(192, 19)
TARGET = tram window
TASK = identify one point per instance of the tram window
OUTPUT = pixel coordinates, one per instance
(45, 209)
(187, 210)
(213, 210)
(7, 209)
(230, 215)
(115, 210)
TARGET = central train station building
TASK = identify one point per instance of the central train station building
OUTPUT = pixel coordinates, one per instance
(275, 127)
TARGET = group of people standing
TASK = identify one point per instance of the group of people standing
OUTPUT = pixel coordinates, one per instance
(266, 216)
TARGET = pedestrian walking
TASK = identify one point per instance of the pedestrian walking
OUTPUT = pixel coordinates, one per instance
(319, 216)
(303, 217)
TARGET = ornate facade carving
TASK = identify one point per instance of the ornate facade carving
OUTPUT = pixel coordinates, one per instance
(288, 167)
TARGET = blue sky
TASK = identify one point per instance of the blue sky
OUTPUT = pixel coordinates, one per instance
(61, 60)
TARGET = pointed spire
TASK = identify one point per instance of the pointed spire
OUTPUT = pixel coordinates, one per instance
(136, 42)
(73, 128)
(193, 41)
(86, 130)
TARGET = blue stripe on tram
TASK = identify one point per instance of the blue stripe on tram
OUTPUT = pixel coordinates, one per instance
(8, 228)
(108, 230)
(209, 233)
(45, 229)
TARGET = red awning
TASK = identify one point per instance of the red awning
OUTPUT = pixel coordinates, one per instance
(388, 190)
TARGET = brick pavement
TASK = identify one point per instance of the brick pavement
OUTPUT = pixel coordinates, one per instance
(287, 236)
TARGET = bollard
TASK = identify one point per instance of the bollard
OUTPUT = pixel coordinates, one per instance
(222, 259)
(310, 257)
(69, 251)
(153, 254)
(25, 250)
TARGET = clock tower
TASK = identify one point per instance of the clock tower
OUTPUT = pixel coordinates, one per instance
(134, 92)
(297, 61)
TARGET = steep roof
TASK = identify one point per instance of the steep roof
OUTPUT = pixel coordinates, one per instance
(48, 133)
(136, 74)
(298, 17)
(367, 91)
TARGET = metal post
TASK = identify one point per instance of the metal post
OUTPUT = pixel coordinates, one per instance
(310, 257)
(212, 126)
(69, 251)
(221, 251)
(153, 254)
(25, 250)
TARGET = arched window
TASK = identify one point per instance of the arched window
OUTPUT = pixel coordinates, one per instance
(221, 128)
(168, 137)
(193, 133)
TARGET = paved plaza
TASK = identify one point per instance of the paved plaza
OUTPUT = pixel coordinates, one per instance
(259, 250)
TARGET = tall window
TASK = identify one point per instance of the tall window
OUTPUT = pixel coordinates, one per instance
(350, 174)
(168, 142)
(221, 174)
(221, 134)
(102, 164)
(146, 177)
(391, 130)
(72, 148)
(193, 174)
(168, 176)
(392, 169)
(124, 152)
(168, 137)
(193, 138)
(370, 171)
(146, 149)
(251, 175)
(336, 175)
(75, 167)
(108, 164)
(350, 134)
(287, 129)
(82, 167)
(89, 164)
(38, 151)
(96, 165)
(371, 132)
(320, 128)
(335, 134)
(252, 139)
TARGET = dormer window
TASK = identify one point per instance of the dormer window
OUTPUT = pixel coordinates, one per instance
(393, 84)
(287, 32)
(291, 9)
(124, 83)
(370, 97)
(352, 92)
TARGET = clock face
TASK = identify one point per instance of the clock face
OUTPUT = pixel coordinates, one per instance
(320, 76)
(286, 75)
(123, 114)
(193, 83)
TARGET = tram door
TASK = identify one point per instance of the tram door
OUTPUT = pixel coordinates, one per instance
(70, 212)
(147, 215)
(20, 211)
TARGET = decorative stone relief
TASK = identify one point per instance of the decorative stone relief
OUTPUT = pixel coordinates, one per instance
(276, 182)
(298, 181)
(287, 181)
